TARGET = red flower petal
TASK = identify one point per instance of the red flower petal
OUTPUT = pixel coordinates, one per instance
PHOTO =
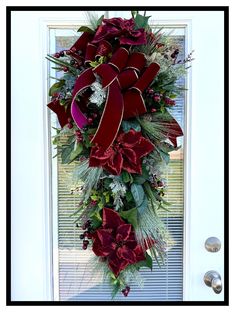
(98, 249)
(111, 219)
(103, 243)
(131, 244)
(143, 148)
(114, 164)
(136, 38)
(116, 264)
(121, 29)
(139, 253)
(149, 242)
(99, 157)
(129, 155)
(105, 237)
(132, 167)
(126, 253)
(123, 232)
(130, 138)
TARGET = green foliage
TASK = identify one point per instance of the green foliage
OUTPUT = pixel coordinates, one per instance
(102, 197)
(56, 87)
(100, 60)
(163, 149)
(130, 216)
(100, 20)
(96, 220)
(66, 153)
(77, 151)
(85, 29)
(145, 173)
(145, 263)
(139, 196)
(153, 130)
(61, 63)
(116, 288)
(130, 124)
(141, 21)
(163, 155)
(149, 261)
(139, 179)
(150, 193)
(89, 175)
(129, 196)
(138, 193)
(133, 13)
(141, 208)
(126, 177)
(158, 256)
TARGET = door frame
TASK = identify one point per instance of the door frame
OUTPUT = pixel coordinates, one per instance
(178, 22)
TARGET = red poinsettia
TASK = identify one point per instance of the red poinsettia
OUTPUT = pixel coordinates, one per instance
(125, 153)
(122, 29)
(115, 241)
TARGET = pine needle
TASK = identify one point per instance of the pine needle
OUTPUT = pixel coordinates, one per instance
(89, 176)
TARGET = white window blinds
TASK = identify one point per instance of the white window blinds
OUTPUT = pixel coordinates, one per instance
(74, 277)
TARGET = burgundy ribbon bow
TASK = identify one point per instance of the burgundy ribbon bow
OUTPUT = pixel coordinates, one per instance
(121, 76)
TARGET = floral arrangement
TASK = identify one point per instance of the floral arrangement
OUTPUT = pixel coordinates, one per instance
(113, 105)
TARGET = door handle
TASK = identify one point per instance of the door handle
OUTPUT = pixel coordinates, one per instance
(213, 279)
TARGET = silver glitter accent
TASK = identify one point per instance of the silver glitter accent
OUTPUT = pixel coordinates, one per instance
(99, 94)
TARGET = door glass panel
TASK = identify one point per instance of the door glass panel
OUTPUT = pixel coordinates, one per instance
(74, 278)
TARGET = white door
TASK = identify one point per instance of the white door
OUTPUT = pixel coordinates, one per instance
(203, 153)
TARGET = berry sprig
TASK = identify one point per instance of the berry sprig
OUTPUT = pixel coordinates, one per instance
(153, 95)
(126, 291)
(87, 234)
(168, 101)
(79, 136)
(76, 58)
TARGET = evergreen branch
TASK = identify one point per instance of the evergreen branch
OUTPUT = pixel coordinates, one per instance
(61, 63)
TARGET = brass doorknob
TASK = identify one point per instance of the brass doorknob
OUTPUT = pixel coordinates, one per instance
(213, 279)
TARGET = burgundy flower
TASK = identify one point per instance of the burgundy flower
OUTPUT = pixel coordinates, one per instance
(116, 242)
(121, 29)
(125, 153)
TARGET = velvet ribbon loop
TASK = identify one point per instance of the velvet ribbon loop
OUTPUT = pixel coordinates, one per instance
(124, 88)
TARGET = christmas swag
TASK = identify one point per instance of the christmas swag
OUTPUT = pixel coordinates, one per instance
(113, 104)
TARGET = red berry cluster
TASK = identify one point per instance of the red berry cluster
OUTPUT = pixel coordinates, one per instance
(70, 124)
(93, 202)
(153, 95)
(59, 54)
(76, 62)
(157, 184)
(175, 54)
(73, 50)
(86, 234)
(92, 118)
(126, 291)
(156, 97)
(79, 136)
(160, 184)
(55, 95)
(169, 101)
